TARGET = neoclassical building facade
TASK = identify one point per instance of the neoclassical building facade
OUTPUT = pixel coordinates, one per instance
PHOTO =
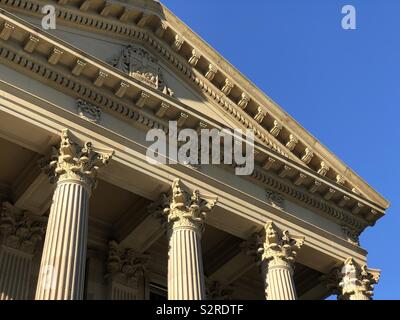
(83, 213)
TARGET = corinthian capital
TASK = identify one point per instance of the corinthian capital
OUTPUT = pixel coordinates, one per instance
(185, 209)
(279, 246)
(357, 281)
(21, 230)
(73, 162)
(352, 281)
(125, 265)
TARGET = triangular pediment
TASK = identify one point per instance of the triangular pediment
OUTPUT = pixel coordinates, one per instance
(145, 66)
(196, 75)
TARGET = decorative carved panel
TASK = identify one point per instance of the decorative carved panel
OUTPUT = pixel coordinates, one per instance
(143, 66)
(88, 111)
(275, 199)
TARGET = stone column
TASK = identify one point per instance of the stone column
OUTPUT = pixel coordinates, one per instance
(126, 273)
(185, 215)
(21, 234)
(352, 281)
(278, 254)
(62, 268)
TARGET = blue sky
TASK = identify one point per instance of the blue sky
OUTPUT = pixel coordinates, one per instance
(342, 85)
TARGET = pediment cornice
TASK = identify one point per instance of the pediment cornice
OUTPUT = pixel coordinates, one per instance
(157, 28)
(58, 64)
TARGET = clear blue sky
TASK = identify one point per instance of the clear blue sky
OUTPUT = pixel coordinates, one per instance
(341, 85)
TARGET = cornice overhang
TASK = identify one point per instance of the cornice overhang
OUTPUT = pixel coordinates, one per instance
(153, 24)
(46, 58)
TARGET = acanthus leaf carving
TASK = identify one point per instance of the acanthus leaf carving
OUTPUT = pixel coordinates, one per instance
(185, 209)
(279, 246)
(352, 281)
(73, 162)
(124, 264)
(21, 230)
(331, 281)
(357, 281)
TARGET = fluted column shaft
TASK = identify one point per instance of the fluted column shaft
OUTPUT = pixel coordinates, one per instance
(279, 250)
(185, 265)
(21, 234)
(279, 283)
(74, 169)
(185, 214)
(15, 274)
(62, 268)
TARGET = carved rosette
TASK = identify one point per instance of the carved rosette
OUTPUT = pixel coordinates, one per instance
(279, 247)
(21, 230)
(352, 281)
(125, 265)
(72, 162)
(186, 210)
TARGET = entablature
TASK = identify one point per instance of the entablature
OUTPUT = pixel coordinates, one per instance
(238, 212)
